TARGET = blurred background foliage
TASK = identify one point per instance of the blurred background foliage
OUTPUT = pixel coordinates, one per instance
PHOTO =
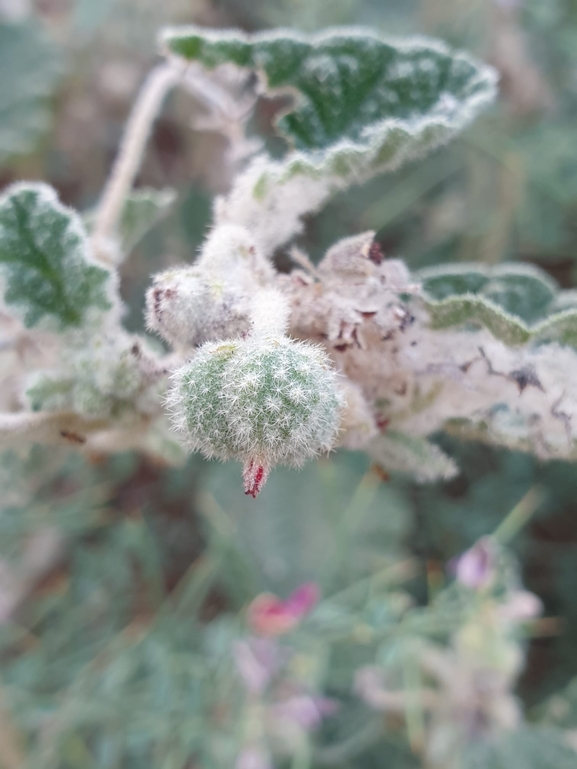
(109, 567)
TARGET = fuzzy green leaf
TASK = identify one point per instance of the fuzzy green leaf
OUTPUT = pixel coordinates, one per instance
(352, 86)
(560, 710)
(362, 105)
(31, 66)
(474, 310)
(527, 748)
(517, 303)
(418, 457)
(143, 209)
(518, 289)
(44, 259)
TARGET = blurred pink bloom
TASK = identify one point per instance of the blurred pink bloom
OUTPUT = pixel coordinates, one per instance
(521, 607)
(268, 615)
(304, 710)
(257, 660)
(369, 685)
(475, 568)
(253, 758)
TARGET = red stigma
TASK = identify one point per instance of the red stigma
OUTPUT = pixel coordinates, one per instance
(255, 476)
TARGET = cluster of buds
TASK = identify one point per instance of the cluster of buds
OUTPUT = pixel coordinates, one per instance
(211, 300)
(263, 400)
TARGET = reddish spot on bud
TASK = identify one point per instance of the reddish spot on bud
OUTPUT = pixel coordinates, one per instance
(376, 255)
(254, 475)
(382, 422)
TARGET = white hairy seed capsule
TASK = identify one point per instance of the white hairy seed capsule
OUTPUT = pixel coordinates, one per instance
(263, 401)
(189, 306)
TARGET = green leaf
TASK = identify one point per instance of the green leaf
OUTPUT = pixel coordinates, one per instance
(31, 66)
(45, 260)
(526, 748)
(472, 310)
(517, 303)
(50, 393)
(362, 105)
(518, 289)
(143, 209)
(561, 708)
(352, 86)
(398, 452)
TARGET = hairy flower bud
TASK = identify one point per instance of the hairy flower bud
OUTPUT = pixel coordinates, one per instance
(262, 400)
(231, 251)
(189, 306)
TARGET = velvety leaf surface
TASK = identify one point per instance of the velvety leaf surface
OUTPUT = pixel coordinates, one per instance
(397, 452)
(515, 302)
(45, 261)
(362, 105)
(33, 64)
(351, 85)
(143, 209)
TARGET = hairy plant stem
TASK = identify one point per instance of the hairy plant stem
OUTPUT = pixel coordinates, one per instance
(159, 81)
(57, 427)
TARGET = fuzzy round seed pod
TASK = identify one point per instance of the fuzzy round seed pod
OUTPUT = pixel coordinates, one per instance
(189, 306)
(262, 401)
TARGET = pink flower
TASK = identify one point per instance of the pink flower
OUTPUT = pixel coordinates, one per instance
(268, 615)
(257, 660)
(304, 710)
(521, 606)
(370, 685)
(253, 758)
(475, 568)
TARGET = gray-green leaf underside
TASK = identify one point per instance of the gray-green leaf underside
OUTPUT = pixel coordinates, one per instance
(398, 452)
(530, 747)
(517, 303)
(30, 66)
(45, 265)
(362, 104)
(143, 209)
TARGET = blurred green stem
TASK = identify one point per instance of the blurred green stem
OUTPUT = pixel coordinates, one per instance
(127, 163)
(519, 516)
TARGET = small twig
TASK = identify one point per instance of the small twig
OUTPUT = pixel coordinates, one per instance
(58, 427)
(126, 166)
(11, 742)
(303, 261)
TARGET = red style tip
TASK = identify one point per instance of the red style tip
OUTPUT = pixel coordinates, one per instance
(254, 475)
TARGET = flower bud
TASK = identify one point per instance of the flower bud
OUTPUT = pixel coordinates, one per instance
(262, 400)
(189, 307)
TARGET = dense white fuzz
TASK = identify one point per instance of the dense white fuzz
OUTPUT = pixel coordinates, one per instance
(232, 252)
(259, 400)
(211, 300)
(189, 306)
(270, 314)
(108, 375)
